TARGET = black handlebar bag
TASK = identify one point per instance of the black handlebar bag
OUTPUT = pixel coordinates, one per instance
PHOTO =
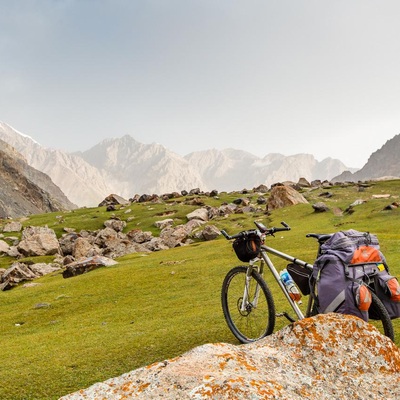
(247, 248)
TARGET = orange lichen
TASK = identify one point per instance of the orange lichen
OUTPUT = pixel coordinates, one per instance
(142, 387)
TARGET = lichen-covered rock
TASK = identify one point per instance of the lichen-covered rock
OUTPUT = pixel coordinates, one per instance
(330, 356)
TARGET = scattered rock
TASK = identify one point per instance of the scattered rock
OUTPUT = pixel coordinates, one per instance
(86, 265)
(200, 213)
(17, 273)
(114, 199)
(326, 194)
(357, 202)
(139, 236)
(210, 232)
(195, 191)
(261, 189)
(115, 224)
(392, 206)
(164, 223)
(320, 207)
(174, 237)
(261, 200)
(13, 226)
(4, 247)
(214, 193)
(303, 183)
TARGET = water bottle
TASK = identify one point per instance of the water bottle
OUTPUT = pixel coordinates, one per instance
(291, 287)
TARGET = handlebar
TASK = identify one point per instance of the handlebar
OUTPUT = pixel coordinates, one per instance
(261, 230)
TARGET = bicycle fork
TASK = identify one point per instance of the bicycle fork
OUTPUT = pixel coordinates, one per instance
(246, 302)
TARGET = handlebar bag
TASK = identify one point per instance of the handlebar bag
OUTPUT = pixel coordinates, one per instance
(247, 248)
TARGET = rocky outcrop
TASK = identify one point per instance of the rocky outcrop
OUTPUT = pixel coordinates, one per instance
(326, 357)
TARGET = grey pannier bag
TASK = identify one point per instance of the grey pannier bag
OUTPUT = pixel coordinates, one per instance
(339, 277)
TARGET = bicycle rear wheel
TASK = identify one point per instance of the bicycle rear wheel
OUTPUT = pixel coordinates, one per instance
(255, 319)
(379, 317)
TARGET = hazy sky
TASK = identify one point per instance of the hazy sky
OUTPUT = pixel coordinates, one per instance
(284, 76)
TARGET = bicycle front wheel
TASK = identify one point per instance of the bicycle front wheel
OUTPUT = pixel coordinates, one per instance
(248, 305)
(379, 317)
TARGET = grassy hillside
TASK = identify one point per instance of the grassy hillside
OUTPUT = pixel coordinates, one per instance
(66, 334)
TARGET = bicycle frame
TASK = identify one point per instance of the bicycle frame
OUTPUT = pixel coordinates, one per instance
(266, 259)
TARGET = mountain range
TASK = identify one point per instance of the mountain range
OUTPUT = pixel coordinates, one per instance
(127, 167)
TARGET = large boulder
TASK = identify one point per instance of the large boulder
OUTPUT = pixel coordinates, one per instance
(331, 356)
(283, 196)
(38, 241)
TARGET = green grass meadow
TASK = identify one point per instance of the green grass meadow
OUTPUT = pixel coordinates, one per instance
(66, 334)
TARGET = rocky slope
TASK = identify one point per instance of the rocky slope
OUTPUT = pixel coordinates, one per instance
(25, 190)
(326, 357)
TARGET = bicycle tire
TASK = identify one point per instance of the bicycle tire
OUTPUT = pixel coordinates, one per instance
(379, 317)
(254, 323)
